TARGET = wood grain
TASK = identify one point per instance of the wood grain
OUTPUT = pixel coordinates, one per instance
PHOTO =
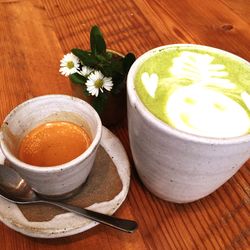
(35, 35)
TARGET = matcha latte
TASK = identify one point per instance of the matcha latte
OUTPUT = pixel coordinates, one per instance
(197, 89)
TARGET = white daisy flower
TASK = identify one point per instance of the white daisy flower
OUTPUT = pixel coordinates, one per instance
(85, 71)
(97, 81)
(69, 64)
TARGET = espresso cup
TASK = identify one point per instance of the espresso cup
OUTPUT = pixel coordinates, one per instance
(176, 165)
(59, 181)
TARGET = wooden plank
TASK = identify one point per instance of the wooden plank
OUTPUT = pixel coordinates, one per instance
(240, 7)
(30, 54)
(197, 21)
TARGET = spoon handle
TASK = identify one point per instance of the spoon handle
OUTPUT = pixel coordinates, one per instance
(121, 224)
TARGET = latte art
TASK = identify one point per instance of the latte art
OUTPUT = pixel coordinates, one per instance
(199, 91)
(200, 69)
(203, 111)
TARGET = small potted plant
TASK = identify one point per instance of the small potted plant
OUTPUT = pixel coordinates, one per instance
(99, 76)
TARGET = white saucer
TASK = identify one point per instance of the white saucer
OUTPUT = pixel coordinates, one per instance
(68, 223)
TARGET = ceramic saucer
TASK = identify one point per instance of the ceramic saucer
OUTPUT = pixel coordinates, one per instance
(67, 224)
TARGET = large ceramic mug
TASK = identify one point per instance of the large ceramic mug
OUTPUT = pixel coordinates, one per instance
(174, 165)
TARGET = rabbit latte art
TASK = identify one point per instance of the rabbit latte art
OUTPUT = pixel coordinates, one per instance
(198, 90)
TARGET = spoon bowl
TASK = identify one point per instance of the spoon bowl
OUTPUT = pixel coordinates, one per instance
(15, 189)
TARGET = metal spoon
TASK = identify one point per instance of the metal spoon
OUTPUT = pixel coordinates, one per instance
(15, 189)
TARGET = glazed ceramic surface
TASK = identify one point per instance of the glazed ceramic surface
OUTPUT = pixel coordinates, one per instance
(67, 224)
(59, 180)
(174, 165)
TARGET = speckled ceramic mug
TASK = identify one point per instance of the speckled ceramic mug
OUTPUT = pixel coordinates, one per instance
(58, 181)
(174, 165)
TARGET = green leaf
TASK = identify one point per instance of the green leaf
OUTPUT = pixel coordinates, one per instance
(77, 78)
(128, 60)
(106, 70)
(97, 43)
(85, 57)
(109, 56)
(81, 54)
(117, 66)
(100, 102)
(100, 58)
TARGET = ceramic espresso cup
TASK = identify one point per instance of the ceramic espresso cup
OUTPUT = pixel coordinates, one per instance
(57, 181)
(177, 165)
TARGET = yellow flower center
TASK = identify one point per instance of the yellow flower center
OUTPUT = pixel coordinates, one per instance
(99, 83)
(70, 65)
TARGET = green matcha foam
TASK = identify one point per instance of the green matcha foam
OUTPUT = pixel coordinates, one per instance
(198, 90)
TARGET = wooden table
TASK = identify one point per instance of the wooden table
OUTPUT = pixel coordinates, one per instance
(35, 35)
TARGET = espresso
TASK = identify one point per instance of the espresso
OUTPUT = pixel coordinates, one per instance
(197, 89)
(53, 143)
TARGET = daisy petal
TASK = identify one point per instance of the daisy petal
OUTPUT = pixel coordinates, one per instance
(69, 64)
